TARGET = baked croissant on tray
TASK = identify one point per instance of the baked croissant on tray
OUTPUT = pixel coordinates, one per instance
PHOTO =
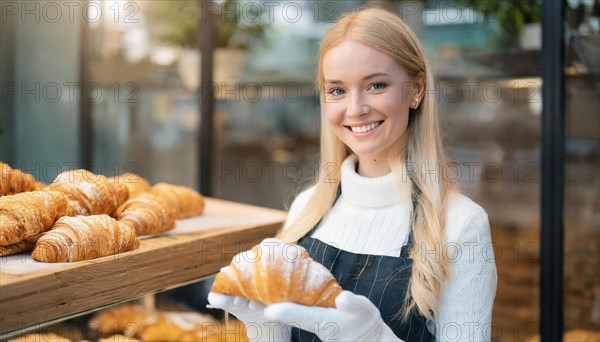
(146, 214)
(136, 184)
(14, 181)
(88, 193)
(186, 201)
(28, 214)
(275, 271)
(83, 238)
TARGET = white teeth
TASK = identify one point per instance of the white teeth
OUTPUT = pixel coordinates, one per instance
(365, 128)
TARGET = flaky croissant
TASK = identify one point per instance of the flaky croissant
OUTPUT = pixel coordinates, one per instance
(84, 238)
(186, 201)
(88, 193)
(275, 271)
(136, 184)
(28, 214)
(14, 181)
(146, 214)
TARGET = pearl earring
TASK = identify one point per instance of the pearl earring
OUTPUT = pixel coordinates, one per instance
(417, 105)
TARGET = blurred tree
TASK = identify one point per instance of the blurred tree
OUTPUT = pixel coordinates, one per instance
(177, 23)
(511, 15)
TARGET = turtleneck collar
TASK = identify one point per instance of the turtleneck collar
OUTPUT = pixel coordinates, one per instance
(376, 192)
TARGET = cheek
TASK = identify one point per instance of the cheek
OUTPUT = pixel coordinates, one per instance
(334, 113)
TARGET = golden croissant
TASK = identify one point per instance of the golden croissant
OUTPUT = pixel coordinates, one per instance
(186, 201)
(136, 184)
(84, 238)
(90, 194)
(146, 214)
(14, 181)
(275, 271)
(28, 214)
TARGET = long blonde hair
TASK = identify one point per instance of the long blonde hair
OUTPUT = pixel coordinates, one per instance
(420, 147)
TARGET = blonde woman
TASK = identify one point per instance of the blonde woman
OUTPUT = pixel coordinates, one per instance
(413, 255)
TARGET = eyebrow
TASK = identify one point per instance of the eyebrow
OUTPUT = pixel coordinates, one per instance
(363, 79)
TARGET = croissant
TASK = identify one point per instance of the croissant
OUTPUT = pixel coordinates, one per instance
(21, 246)
(30, 213)
(136, 184)
(170, 326)
(186, 201)
(275, 271)
(84, 238)
(146, 214)
(13, 181)
(90, 194)
(126, 319)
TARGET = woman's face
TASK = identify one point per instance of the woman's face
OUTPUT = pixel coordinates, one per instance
(367, 97)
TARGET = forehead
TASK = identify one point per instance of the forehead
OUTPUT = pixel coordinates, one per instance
(351, 59)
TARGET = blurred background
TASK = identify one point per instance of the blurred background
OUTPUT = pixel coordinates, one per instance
(114, 86)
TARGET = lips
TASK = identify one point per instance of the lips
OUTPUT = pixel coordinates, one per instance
(364, 128)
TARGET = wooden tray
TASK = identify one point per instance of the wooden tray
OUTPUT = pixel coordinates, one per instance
(35, 294)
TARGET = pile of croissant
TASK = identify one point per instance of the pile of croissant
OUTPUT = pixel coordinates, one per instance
(82, 216)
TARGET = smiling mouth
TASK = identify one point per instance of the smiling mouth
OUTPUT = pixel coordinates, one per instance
(365, 128)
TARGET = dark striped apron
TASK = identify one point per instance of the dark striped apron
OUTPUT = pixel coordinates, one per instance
(383, 279)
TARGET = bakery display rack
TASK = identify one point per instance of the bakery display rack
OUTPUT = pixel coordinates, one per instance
(35, 294)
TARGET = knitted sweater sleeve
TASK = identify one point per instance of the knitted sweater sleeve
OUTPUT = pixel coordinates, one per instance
(465, 309)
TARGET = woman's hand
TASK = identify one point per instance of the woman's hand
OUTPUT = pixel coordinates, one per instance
(355, 318)
(258, 327)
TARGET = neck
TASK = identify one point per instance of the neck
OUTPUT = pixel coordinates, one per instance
(373, 166)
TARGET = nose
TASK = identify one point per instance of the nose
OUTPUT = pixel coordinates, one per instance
(357, 107)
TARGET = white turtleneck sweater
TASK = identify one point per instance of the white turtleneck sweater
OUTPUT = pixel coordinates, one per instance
(371, 216)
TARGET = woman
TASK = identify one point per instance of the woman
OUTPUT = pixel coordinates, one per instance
(413, 255)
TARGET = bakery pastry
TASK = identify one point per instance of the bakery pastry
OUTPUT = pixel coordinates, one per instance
(136, 184)
(171, 326)
(90, 194)
(146, 214)
(118, 338)
(14, 181)
(21, 246)
(275, 271)
(126, 319)
(84, 238)
(28, 214)
(186, 201)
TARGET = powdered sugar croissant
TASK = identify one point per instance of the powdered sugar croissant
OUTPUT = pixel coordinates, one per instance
(14, 181)
(185, 201)
(147, 214)
(275, 271)
(90, 194)
(84, 238)
(28, 214)
(136, 184)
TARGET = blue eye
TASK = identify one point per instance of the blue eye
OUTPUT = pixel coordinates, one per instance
(378, 85)
(336, 92)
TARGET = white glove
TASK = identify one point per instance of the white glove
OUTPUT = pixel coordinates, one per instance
(355, 318)
(258, 327)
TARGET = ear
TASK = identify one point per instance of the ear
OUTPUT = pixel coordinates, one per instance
(420, 85)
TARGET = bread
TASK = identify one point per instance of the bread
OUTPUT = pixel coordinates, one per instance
(28, 214)
(90, 194)
(171, 326)
(186, 201)
(21, 246)
(14, 181)
(126, 319)
(136, 184)
(146, 214)
(83, 238)
(275, 271)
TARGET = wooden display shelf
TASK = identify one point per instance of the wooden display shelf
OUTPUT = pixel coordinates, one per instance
(39, 294)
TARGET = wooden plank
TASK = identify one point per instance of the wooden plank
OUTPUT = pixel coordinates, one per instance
(33, 298)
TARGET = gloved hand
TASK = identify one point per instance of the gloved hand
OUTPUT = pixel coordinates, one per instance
(355, 318)
(258, 327)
